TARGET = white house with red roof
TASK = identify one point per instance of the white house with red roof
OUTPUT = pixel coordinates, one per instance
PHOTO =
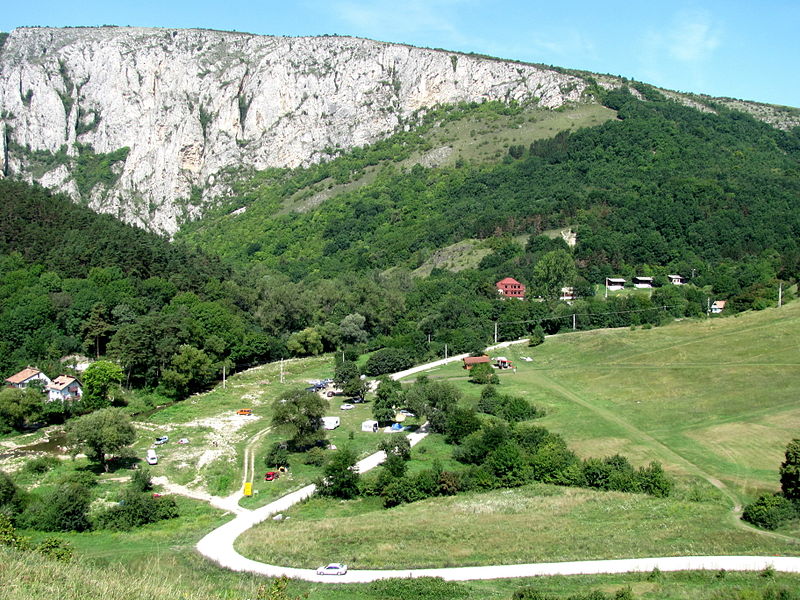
(26, 377)
(64, 387)
(511, 288)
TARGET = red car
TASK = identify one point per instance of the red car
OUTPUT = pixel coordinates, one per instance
(270, 476)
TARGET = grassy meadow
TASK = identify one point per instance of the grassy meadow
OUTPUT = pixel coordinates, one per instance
(714, 401)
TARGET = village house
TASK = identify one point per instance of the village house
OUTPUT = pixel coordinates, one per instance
(511, 288)
(718, 306)
(614, 283)
(471, 361)
(643, 282)
(64, 387)
(27, 376)
(676, 279)
(567, 294)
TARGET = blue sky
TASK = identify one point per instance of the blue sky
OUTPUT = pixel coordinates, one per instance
(746, 50)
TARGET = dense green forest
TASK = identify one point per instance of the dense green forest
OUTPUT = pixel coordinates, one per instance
(662, 189)
(664, 184)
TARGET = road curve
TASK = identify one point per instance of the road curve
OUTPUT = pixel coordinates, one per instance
(217, 546)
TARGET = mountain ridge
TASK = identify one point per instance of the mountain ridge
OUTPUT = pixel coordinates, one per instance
(148, 123)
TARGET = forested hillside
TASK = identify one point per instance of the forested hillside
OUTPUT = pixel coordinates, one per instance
(663, 184)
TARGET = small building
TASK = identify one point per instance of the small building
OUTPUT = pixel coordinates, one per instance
(567, 294)
(330, 422)
(27, 376)
(718, 306)
(369, 426)
(511, 288)
(64, 387)
(677, 279)
(614, 283)
(643, 283)
(471, 361)
(503, 363)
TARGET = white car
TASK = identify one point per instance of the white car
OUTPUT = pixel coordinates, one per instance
(333, 569)
(347, 407)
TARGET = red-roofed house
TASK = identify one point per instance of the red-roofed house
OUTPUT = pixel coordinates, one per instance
(471, 361)
(64, 388)
(27, 376)
(718, 306)
(511, 288)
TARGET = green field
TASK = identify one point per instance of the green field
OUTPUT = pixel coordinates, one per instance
(714, 401)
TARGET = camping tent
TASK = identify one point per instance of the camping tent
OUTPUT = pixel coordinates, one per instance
(369, 425)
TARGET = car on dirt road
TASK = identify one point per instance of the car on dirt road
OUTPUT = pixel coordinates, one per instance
(271, 476)
(162, 440)
(332, 569)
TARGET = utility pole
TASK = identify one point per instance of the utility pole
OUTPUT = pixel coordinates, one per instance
(282, 369)
(224, 382)
(780, 293)
(573, 322)
(606, 286)
(445, 351)
(495, 332)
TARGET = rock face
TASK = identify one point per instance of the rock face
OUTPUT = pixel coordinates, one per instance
(189, 104)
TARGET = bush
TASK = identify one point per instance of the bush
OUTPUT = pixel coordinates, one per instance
(41, 464)
(55, 548)
(136, 509)
(85, 478)
(483, 374)
(63, 509)
(400, 491)
(459, 424)
(418, 588)
(11, 499)
(141, 481)
(769, 511)
(315, 457)
(537, 336)
(278, 456)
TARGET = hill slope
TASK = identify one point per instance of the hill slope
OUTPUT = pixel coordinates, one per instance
(147, 123)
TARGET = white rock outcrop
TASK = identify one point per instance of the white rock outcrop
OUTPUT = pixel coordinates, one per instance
(191, 103)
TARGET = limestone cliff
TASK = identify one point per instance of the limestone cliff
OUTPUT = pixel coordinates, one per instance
(191, 103)
(143, 123)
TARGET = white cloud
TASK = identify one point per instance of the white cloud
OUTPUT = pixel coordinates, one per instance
(396, 20)
(692, 38)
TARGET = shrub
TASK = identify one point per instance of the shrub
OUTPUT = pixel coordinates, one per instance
(55, 548)
(418, 588)
(537, 336)
(460, 423)
(41, 464)
(278, 456)
(652, 480)
(63, 509)
(400, 491)
(769, 511)
(315, 457)
(10, 496)
(141, 481)
(340, 475)
(85, 478)
(449, 483)
(483, 374)
(426, 483)
(136, 509)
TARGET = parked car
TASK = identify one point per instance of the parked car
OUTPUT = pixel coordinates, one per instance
(245, 411)
(347, 406)
(152, 457)
(333, 569)
(183, 441)
(162, 440)
(271, 476)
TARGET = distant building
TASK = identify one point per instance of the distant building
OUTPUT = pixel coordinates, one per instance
(614, 283)
(511, 288)
(27, 376)
(471, 361)
(64, 387)
(567, 294)
(503, 363)
(643, 282)
(718, 306)
(676, 279)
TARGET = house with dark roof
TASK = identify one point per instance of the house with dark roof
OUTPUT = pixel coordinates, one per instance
(511, 288)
